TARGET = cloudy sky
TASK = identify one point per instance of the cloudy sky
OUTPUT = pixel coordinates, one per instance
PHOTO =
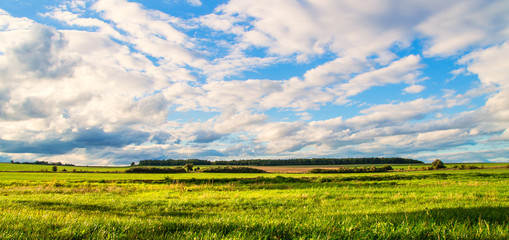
(109, 82)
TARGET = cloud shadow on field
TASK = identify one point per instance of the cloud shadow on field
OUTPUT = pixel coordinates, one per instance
(449, 216)
(131, 211)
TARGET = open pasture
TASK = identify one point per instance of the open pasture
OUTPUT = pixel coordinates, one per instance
(462, 204)
(8, 167)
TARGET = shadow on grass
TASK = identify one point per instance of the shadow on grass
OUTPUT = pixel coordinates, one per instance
(461, 215)
(367, 177)
(144, 210)
(445, 223)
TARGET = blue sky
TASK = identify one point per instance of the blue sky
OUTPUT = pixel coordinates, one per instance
(108, 82)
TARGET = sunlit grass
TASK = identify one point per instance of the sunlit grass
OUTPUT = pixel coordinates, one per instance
(38, 168)
(469, 204)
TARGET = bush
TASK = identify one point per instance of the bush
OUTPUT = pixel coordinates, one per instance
(437, 164)
(387, 167)
(189, 167)
(229, 169)
(155, 170)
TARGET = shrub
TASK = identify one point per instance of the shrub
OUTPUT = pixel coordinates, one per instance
(387, 167)
(437, 164)
(189, 167)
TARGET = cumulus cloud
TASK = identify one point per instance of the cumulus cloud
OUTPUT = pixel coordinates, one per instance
(402, 70)
(414, 88)
(114, 81)
(37, 54)
(464, 24)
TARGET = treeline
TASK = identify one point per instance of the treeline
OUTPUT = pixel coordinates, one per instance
(44, 163)
(173, 162)
(229, 169)
(218, 169)
(282, 162)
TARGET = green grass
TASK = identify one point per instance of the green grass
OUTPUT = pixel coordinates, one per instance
(468, 204)
(8, 167)
(37, 168)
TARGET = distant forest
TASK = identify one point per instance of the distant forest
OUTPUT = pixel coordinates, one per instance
(44, 163)
(281, 162)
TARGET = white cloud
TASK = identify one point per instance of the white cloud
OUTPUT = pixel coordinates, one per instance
(291, 27)
(218, 69)
(74, 19)
(37, 53)
(489, 64)
(123, 69)
(232, 121)
(151, 32)
(393, 114)
(405, 70)
(195, 3)
(297, 94)
(464, 24)
(414, 88)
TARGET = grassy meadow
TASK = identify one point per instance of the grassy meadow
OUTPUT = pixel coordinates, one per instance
(36, 168)
(444, 204)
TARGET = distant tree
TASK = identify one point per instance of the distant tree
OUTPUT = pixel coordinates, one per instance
(438, 164)
(132, 164)
(189, 167)
(12, 161)
(54, 168)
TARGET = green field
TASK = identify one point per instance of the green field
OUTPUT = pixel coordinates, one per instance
(446, 204)
(8, 167)
(37, 168)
